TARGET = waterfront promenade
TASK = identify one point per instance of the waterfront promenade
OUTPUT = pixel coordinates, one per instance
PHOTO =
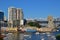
(43, 29)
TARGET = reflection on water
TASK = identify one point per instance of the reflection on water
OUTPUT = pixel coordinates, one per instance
(40, 36)
(33, 36)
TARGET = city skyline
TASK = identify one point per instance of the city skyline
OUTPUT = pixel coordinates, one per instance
(33, 8)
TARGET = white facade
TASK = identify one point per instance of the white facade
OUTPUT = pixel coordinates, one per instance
(15, 14)
(21, 22)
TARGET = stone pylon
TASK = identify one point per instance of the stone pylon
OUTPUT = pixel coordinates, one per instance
(50, 22)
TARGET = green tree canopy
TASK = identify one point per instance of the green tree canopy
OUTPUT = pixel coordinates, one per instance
(36, 24)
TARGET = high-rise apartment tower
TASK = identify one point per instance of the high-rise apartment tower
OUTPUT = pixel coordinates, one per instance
(15, 15)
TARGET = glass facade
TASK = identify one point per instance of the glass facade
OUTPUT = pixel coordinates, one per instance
(1, 16)
(1, 19)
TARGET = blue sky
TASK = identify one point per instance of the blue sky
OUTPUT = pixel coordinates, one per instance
(33, 8)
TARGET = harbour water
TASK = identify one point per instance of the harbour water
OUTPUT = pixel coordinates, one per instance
(36, 36)
(40, 36)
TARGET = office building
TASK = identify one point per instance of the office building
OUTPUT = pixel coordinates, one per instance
(1, 19)
(1, 16)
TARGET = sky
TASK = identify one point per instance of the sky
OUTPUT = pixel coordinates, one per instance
(33, 8)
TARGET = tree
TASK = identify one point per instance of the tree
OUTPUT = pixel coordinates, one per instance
(35, 24)
(58, 37)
